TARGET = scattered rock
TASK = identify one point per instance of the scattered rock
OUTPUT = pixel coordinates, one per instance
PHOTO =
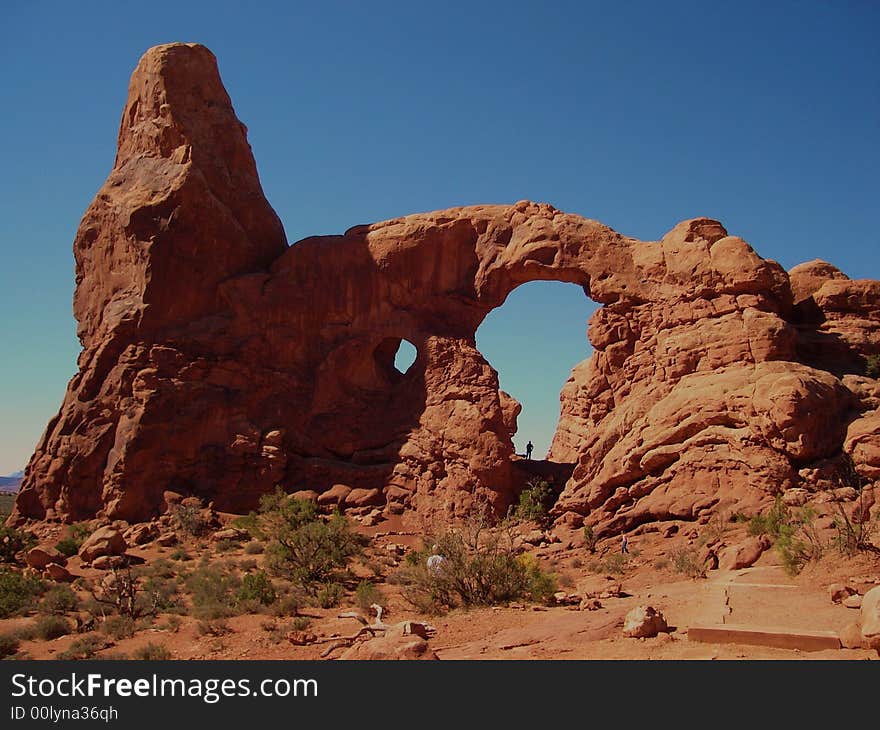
(839, 592)
(644, 622)
(744, 555)
(141, 534)
(854, 601)
(105, 541)
(870, 619)
(335, 495)
(395, 644)
(364, 498)
(590, 604)
(108, 562)
(167, 539)
(229, 533)
(309, 495)
(39, 557)
(58, 573)
(301, 638)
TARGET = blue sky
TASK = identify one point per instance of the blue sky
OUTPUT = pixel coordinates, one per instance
(639, 114)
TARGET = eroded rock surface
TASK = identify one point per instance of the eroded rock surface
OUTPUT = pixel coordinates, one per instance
(219, 362)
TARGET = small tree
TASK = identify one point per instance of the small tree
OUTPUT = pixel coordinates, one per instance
(302, 546)
(872, 366)
(854, 530)
(535, 502)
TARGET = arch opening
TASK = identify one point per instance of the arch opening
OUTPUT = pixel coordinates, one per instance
(533, 340)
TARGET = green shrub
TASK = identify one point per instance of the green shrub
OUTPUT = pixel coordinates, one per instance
(18, 593)
(535, 502)
(59, 599)
(49, 627)
(75, 536)
(329, 595)
(365, 595)
(152, 653)
(288, 605)
(301, 546)
(119, 627)
(254, 547)
(226, 545)
(773, 523)
(301, 623)
(159, 594)
(590, 539)
(179, 554)
(214, 592)
(257, 587)
(479, 567)
(213, 627)
(8, 645)
(190, 520)
(686, 562)
(872, 366)
(615, 564)
(83, 648)
(14, 541)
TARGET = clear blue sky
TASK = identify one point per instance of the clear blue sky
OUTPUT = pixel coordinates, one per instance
(762, 114)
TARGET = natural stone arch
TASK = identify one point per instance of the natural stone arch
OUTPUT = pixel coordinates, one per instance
(220, 362)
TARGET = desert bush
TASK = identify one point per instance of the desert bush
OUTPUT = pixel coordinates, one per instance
(799, 541)
(254, 547)
(172, 624)
(661, 564)
(14, 541)
(119, 626)
(288, 605)
(365, 595)
(123, 591)
(214, 592)
(872, 366)
(83, 648)
(179, 554)
(213, 627)
(535, 502)
(189, 519)
(18, 593)
(73, 539)
(614, 564)
(226, 545)
(301, 546)
(590, 539)
(160, 594)
(8, 645)
(854, 531)
(257, 587)
(480, 567)
(301, 623)
(773, 522)
(49, 627)
(59, 599)
(329, 595)
(151, 652)
(685, 561)
(247, 565)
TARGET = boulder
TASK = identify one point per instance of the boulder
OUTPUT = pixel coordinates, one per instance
(840, 592)
(644, 622)
(400, 641)
(335, 495)
(870, 619)
(854, 601)
(743, 555)
(39, 557)
(104, 541)
(58, 573)
(851, 636)
(230, 533)
(364, 498)
(141, 534)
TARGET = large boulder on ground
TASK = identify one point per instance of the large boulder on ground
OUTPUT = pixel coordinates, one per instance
(364, 498)
(39, 557)
(870, 619)
(644, 622)
(335, 495)
(400, 641)
(744, 555)
(58, 573)
(104, 541)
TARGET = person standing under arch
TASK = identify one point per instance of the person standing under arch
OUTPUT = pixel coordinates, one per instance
(529, 448)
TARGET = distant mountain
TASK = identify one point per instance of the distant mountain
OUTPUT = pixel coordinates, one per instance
(12, 482)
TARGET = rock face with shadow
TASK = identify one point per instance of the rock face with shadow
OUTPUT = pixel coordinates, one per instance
(220, 362)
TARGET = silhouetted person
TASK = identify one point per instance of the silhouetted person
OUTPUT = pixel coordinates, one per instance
(529, 448)
(624, 545)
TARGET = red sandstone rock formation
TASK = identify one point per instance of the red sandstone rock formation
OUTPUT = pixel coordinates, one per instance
(219, 362)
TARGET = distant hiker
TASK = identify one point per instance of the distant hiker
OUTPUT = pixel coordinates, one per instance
(624, 545)
(711, 561)
(529, 448)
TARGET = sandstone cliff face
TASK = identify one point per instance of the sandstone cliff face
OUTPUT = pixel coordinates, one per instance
(219, 362)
